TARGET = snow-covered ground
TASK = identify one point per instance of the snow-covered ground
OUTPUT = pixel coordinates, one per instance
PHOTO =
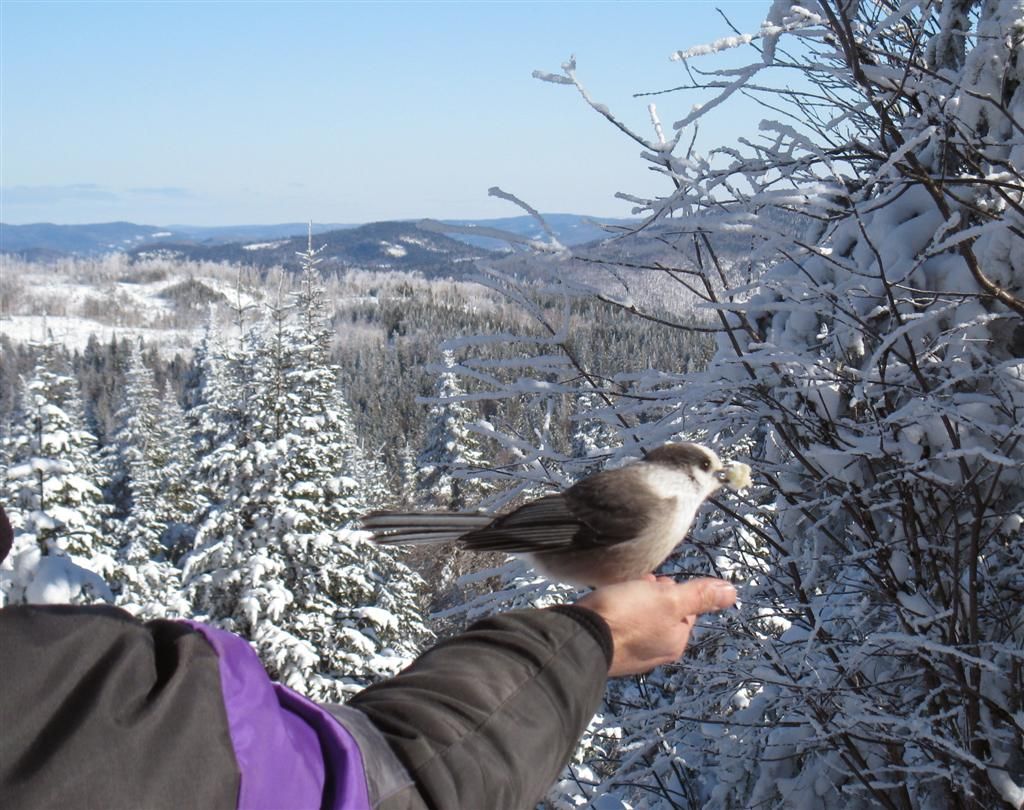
(396, 251)
(265, 245)
(68, 304)
(421, 243)
(74, 332)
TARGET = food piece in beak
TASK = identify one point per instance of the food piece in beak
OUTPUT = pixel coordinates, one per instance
(736, 475)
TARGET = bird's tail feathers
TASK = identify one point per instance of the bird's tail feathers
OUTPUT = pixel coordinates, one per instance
(401, 528)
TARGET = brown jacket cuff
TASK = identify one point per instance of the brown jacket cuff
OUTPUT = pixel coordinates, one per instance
(593, 624)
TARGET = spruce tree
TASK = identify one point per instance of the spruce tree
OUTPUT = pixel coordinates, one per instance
(450, 451)
(326, 608)
(152, 461)
(591, 438)
(53, 492)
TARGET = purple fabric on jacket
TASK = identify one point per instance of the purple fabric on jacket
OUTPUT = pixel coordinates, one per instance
(290, 752)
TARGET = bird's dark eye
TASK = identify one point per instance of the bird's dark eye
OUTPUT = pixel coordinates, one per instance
(705, 465)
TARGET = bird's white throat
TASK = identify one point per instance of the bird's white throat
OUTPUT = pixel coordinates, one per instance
(688, 494)
(666, 482)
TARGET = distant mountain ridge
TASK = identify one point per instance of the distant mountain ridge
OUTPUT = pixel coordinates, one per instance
(47, 240)
(379, 246)
(44, 239)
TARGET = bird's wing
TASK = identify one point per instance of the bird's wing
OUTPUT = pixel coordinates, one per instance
(594, 513)
(621, 507)
(545, 523)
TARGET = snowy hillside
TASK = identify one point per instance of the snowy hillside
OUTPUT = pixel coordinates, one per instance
(113, 299)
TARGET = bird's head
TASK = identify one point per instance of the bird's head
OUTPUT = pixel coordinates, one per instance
(702, 464)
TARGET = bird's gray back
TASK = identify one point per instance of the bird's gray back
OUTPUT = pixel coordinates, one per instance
(600, 511)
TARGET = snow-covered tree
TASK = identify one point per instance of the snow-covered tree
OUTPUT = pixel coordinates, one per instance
(53, 493)
(180, 501)
(212, 401)
(862, 263)
(449, 447)
(152, 457)
(592, 438)
(275, 560)
(407, 476)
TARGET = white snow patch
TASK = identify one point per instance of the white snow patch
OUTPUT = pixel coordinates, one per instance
(422, 243)
(265, 245)
(52, 579)
(382, 619)
(74, 333)
(56, 305)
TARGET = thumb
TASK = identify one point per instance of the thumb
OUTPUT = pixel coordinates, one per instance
(705, 595)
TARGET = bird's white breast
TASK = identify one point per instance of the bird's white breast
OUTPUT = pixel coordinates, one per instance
(668, 528)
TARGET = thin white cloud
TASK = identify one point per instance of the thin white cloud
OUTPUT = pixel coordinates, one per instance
(167, 192)
(47, 195)
(87, 192)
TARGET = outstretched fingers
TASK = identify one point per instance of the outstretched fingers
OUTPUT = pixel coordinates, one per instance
(704, 595)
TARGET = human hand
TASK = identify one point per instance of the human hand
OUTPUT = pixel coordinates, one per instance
(651, 619)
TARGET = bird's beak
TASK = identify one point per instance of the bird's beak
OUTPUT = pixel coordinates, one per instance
(734, 475)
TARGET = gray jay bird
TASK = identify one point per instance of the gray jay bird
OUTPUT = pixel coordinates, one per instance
(613, 526)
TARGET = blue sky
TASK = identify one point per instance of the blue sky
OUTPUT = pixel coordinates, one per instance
(242, 112)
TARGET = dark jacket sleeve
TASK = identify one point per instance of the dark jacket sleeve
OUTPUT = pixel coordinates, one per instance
(98, 711)
(489, 718)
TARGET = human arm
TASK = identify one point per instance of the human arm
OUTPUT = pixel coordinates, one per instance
(491, 717)
(100, 710)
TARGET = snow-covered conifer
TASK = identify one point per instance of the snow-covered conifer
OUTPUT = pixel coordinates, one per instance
(53, 493)
(407, 475)
(591, 439)
(450, 449)
(180, 500)
(153, 458)
(212, 399)
(275, 560)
